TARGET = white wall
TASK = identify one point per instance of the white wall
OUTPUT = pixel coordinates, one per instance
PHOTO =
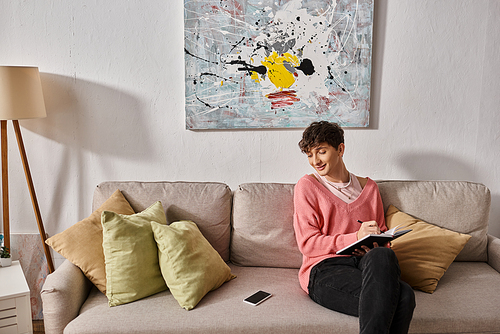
(112, 74)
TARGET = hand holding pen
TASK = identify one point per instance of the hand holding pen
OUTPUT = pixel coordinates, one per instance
(368, 227)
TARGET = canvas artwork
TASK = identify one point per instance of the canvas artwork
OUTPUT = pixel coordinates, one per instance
(277, 63)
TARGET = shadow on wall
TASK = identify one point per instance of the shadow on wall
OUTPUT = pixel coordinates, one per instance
(433, 166)
(436, 166)
(378, 46)
(86, 117)
(92, 117)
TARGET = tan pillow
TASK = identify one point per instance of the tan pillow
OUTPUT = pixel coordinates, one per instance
(81, 243)
(426, 252)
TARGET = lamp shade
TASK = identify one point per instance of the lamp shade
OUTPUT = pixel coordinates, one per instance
(20, 93)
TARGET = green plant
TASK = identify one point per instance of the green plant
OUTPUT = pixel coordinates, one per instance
(4, 253)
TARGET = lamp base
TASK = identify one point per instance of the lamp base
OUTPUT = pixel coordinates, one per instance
(29, 180)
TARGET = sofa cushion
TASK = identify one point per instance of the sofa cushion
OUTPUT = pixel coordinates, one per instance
(190, 266)
(222, 311)
(464, 303)
(426, 252)
(131, 254)
(206, 203)
(263, 233)
(455, 205)
(82, 243)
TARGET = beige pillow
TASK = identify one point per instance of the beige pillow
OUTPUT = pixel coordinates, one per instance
(131, 254)
(190, 266)
(426, 252)
(81, 243)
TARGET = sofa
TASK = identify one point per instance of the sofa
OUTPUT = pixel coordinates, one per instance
(251, 228)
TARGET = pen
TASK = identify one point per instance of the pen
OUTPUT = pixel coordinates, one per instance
(359, 221)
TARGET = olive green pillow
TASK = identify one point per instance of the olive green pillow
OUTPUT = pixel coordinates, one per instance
(81, 243)
(190, 266)
(131, 254)
(426, 252)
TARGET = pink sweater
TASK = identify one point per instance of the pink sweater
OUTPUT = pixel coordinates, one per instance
(324, 223)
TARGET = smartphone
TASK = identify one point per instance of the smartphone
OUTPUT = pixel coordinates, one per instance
(257, 298)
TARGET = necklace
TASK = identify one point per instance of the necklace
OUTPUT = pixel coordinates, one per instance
(341, 188)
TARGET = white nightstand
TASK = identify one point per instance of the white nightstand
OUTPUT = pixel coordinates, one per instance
(15, 307)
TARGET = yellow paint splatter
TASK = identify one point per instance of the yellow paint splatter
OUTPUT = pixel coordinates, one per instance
(276, 70)
(255, 76)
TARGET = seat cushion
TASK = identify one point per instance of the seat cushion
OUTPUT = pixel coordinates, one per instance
(465, 301)
(289, 310)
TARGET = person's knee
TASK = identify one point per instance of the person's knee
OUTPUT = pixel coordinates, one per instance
(382, 254)
(383, 259)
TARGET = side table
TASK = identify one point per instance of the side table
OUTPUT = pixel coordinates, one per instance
(15, 308)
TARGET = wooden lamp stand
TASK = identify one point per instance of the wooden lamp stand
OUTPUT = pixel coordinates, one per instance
(29, 180)
(21, 97)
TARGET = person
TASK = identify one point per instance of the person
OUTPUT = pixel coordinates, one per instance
(327, 207)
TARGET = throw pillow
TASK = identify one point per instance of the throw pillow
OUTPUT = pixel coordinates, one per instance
(190, 266)
(426, 252)
(81, 243)
(131, 254)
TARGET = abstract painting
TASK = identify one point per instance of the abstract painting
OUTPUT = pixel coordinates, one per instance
(277, 63)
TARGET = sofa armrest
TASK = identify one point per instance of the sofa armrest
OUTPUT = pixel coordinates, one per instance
(63, 294)
(494, 252)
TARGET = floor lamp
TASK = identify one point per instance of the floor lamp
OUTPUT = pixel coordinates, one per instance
(20, 98)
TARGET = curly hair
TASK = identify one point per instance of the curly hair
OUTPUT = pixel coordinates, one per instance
(321, 132)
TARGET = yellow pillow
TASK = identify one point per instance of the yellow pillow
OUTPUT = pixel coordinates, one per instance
(81, 243)
(190, 266)
(426, 252)
(131, 254)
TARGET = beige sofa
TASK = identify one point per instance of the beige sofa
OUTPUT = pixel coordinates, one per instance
(251, 228)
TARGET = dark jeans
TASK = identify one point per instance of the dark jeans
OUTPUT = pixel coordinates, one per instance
(369, 287)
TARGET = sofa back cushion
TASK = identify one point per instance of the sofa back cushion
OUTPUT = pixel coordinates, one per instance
(263, 232)
(208, 204)
(455, 205)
